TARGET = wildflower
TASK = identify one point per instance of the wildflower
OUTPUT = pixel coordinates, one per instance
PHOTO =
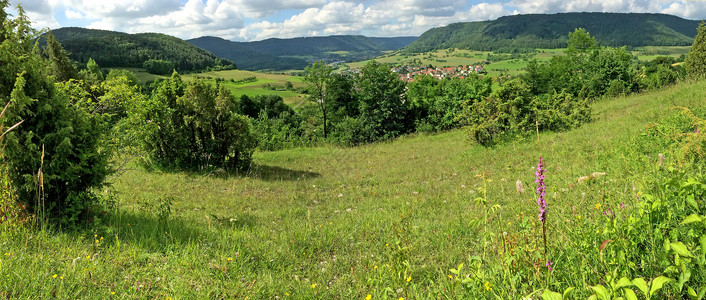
(230, 259)
(88, 257)
(409, 278)
(61, 277)
(169, 298)
(608, 212)
(54, 276)
(313, 285)
(401, 298)
(368, 297)
(622, 205)
(598, 206)
(7, 253)
(488, 286)
(661, 159)
(541, 190)
(549, 265)
(450, 277)
(375, 267)
(112, 293)
(578, 217)
(696, 129)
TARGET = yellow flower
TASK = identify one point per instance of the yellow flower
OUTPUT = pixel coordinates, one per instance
(230, 259)
(88, 257)
(61, 277)
(409, 278)
(286, 294)
(488, 286)
(375, 267)
(112, 293)
(313, 285)
(96, 241)
(578, 217)
(7, 253)
(401, 298)
(169, 298)
(368, 297)
(450, 277)
(598, 206)
(54, 276)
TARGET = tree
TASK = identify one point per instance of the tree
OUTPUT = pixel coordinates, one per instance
(159, 66)
(195, 126)
(93, 74)
(61, 140)
(318, 76)
(696, 61)
(580, 42)
(60, 66)
(383, 106)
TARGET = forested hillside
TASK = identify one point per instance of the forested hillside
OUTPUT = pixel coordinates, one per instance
(550, 31)
(116, 49)
(246, 58)
(283, 54)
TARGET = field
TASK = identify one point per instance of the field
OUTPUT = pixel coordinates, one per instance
(388, 220)
(257, 87)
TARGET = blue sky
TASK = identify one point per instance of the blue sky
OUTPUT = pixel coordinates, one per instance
(248, 20)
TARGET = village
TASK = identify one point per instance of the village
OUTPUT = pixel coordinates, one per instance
(408, 73)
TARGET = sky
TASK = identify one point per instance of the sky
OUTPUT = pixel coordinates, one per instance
(253, 20)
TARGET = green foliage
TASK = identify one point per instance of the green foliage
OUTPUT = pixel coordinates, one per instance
(661, 71)
(548, 31)
(129, 75)
(159, 66)
(514, 111)
(60, 66)
(382, 102)
(57, 155)
(121, 50)
(318, 77)
(587, 71)
(696, 61)
(438, 103)
(194, 126)
(580, 43)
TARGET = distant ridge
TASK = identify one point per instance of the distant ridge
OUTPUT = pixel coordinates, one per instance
(297, 53)
(551, 31)
(112, 49)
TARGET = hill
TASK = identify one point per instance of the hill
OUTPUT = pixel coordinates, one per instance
(551, 31)
(116, 49)
(352, 221)
(246, 58)
(296, 53)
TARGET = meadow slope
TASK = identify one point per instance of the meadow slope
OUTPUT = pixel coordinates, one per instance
(386, 220)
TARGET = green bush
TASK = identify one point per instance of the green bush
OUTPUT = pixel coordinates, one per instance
(58, 153)
(194, 126)
(159, 67)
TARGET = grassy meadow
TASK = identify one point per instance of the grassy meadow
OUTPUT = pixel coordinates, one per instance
(257, 87)
(382, 221)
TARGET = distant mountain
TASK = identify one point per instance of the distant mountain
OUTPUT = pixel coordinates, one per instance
(551, 31)
(116, 49)
(296, 53)
(246, 58)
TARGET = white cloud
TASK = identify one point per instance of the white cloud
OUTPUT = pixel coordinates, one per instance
(687, 9)
(294, 18)
(72, 14)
